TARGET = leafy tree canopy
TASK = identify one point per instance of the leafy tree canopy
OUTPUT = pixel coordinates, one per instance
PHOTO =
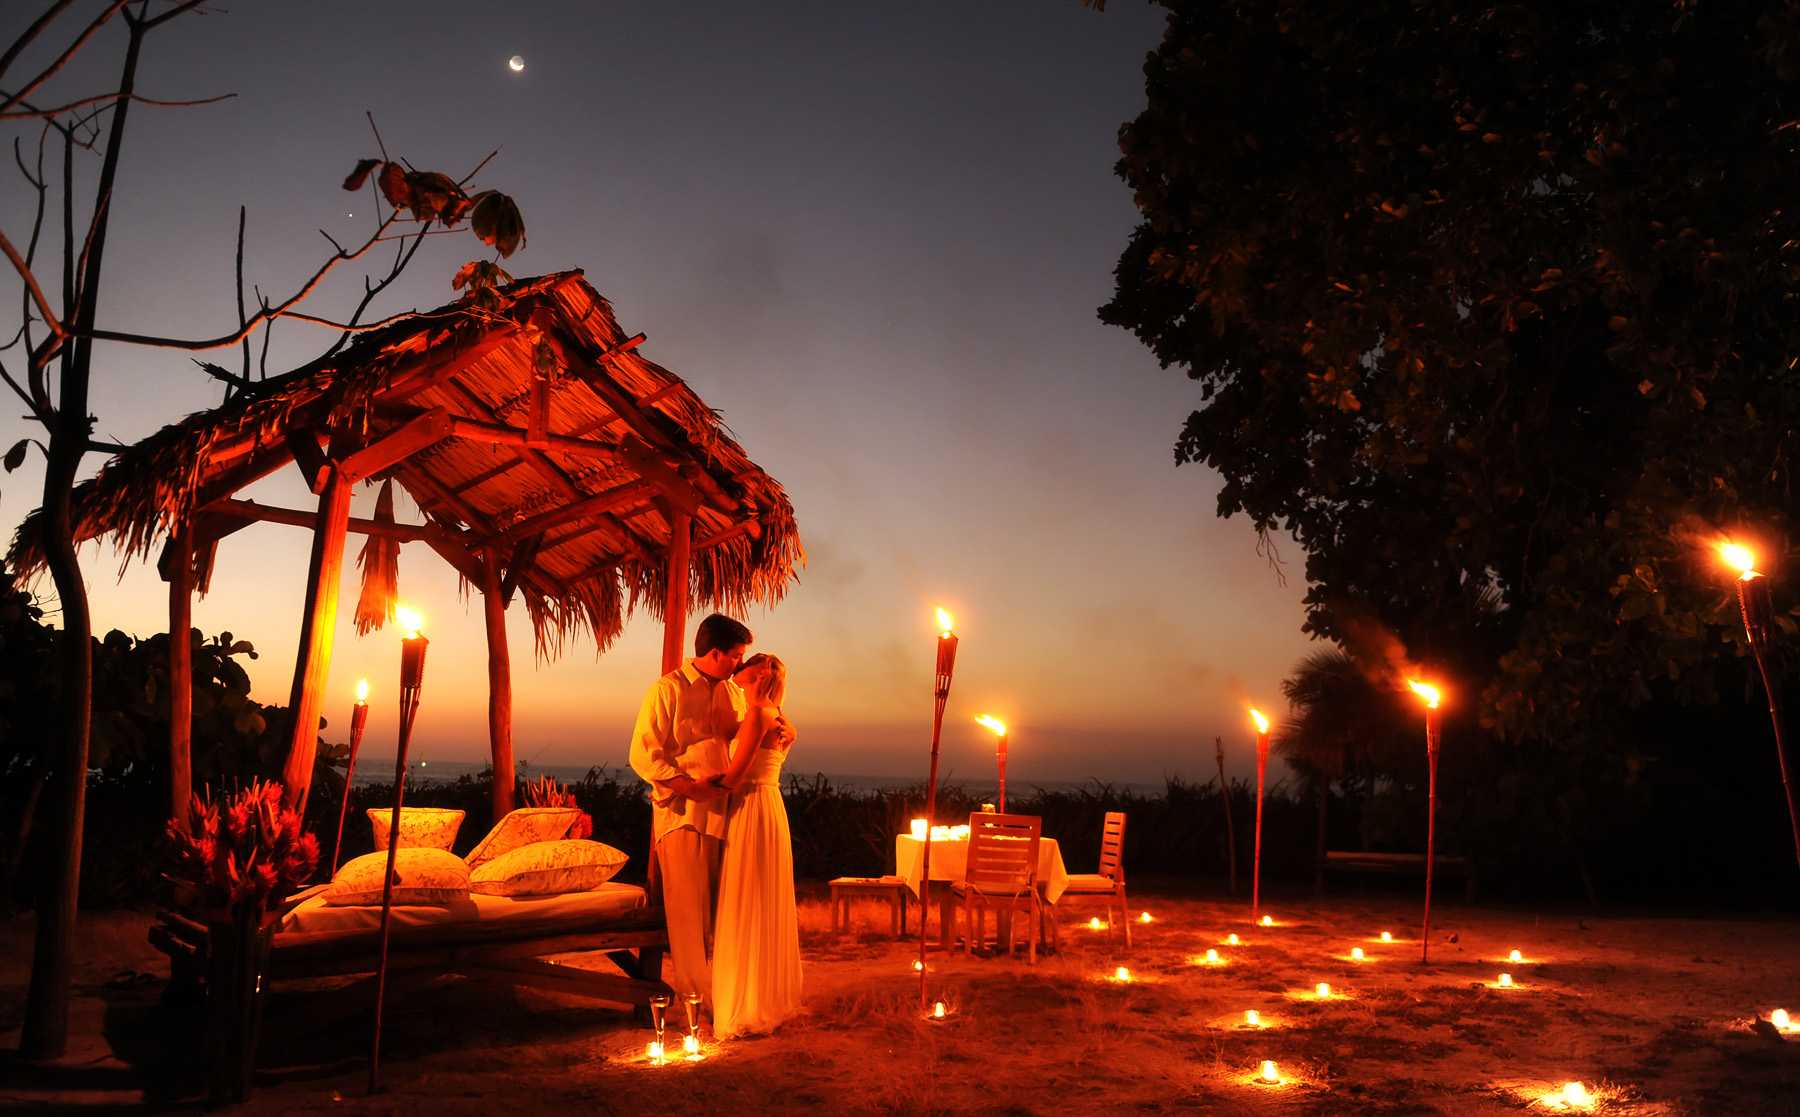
(1492, 308)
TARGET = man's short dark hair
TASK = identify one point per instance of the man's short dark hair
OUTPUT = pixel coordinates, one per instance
(722, 633)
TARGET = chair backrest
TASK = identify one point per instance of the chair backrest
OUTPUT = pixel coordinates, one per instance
(1112, 847)
(1003, 852)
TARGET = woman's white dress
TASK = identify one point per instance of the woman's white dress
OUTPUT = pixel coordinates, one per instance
(756, 931)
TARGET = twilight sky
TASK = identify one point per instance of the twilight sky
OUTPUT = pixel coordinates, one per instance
(873, 236)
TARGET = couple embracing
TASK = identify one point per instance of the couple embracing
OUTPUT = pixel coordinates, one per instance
(711, 740)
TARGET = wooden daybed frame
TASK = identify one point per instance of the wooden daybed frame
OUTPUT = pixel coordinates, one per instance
(634, 943)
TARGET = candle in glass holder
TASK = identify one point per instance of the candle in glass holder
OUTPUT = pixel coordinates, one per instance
(1231, 939)
(1515, 956)
(654, 1052)
(938, 1011)
(1356, 954)
(1269, 1075)
(1387, 936)
(1267, 921)
(1253, 1018)
(1324, 990)
(1506, 981)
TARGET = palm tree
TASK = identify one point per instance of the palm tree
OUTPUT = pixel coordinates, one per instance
(1341, 728)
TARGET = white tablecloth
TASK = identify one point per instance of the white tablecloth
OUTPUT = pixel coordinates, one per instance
(950, 860)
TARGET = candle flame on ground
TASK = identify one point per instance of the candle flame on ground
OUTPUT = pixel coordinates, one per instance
(992, 723)
(1515, 956)
(362, 690)
(1143, 917)
(945, 623)
(1212, 957)
(1262, 723)
(409, 620)
(1231, 939)
(1740, 558)
(1576, 1096)
(1122, 974)
(654, 1052)
(1324, 990)
(1356, 954)
(938, 1011)
(1268, 921)
(1432, 695)
(1094, 924)
(1269, 1072)
(918, 966)
(691, 1044)
(1506, 981)
(1781, 1020)
(1387, 936)
(1253, 1018)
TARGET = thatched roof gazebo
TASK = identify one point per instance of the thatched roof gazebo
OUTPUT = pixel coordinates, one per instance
(549, 457)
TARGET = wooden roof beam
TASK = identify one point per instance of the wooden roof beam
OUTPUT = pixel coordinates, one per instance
(252, 512)
(499, 434)
(617, 497)
(422, 431)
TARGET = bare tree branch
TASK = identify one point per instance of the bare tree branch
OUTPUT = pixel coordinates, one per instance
(31, 284)
(30, 33)
(464, 180)
(242, 317)
(110, 99)
(189, 5)
(112, 9)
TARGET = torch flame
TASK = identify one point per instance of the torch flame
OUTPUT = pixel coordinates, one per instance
(1432, 695)
(409, 619)
(1262, 723)
(362, 690)
(989, 721)
(1740, 558)
(945, 622)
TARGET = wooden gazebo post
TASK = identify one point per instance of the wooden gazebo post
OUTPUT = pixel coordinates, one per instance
(675, 603)
(493, 607)
(312, 667)
(178, 561)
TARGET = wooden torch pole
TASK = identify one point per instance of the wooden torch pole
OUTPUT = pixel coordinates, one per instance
(946, 667)
(1431, 761)
(412, 678)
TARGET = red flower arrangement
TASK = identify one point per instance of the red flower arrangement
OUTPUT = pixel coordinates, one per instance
(245, 852)
(545, 791)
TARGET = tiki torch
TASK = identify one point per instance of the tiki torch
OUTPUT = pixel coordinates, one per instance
(1262, 766)
(412, 678)
(946, 667)
(998, 727)
(1431, 696)
(359, 720)
(1759, 621)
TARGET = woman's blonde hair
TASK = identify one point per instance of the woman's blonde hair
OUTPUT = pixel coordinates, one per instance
(777, 687)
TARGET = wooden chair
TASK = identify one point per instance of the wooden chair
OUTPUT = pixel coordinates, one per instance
(891, 890)
(1002, 875)
(1109, 882)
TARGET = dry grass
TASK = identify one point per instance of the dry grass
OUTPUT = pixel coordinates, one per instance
(1655, 1016)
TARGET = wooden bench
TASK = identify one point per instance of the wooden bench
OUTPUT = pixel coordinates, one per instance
(1402, 864)
(889, 888)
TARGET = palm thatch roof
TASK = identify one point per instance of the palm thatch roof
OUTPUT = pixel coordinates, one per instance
(530, 430)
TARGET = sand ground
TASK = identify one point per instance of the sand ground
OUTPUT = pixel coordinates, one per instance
(1655, 1015)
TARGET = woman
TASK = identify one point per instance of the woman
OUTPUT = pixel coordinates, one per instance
(756, 932)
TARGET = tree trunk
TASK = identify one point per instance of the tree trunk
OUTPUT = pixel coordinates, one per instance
(46, 1027)
(500, 738)
(1323, 791)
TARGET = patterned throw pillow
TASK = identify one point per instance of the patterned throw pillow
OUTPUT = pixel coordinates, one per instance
(546, 868)
(422, 876)
(523, 827)
(428, 827)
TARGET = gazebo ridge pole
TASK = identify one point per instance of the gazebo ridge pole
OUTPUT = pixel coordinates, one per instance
(500, 738)
(180, 573)
(312, 667)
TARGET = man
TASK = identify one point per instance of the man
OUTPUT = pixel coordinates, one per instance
(680, 743)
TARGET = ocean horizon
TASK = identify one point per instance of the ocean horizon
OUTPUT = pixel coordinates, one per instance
(377, 770)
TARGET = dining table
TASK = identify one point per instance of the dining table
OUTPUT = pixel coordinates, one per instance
(949, 864)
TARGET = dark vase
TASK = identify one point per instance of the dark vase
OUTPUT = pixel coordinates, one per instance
(237, 957)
